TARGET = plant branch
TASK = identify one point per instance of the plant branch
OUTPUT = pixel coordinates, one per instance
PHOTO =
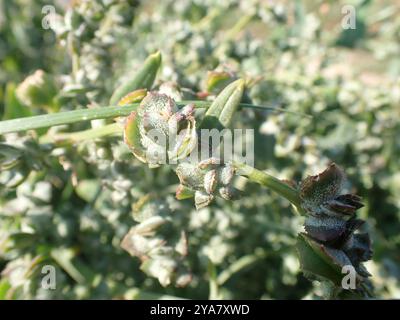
(213, 283)
(68, 117)
(239, 265)
(75, 137)
(270, 182)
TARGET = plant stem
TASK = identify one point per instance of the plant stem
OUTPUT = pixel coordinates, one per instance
(270, 182)
(239, 265)
(67, 117)
(239, 26)
(49, 120)
(74, 137)
(212, 274)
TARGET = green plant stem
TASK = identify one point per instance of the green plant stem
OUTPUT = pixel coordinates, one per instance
(49, 120)
(68, 117)
(239, 265)
(75, 137)
(212, 274)
(239, 26)
(270, 182)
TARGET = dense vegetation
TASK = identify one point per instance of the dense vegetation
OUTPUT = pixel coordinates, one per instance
(315, 93)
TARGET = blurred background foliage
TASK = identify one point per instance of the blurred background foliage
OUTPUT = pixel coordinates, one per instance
(70, 206)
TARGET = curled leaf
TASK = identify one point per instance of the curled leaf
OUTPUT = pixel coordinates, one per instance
(217, 80)
(132, 97)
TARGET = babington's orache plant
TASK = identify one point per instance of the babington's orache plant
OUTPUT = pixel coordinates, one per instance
(163, 130)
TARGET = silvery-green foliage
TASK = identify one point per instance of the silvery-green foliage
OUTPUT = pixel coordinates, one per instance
(89, 30)
(81, 203)
(162, 256)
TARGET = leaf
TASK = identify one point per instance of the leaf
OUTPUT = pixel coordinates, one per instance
(4, 287)
(315, 262)
(13, 108)
(132, 97)
(67, 260)
(142, 79)
(88, 189)
(217, 80)
(132, 137)
(39, 90)
(162, 268)
(183, 192)
(219, 115)
(9, 156)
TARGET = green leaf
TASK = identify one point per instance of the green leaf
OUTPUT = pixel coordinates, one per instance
(4, 287)
(216, 81)
(39, 90)
(67, 260)
(315, 263)
(142, 79)
(132, 137)
(132, 97)
(14, 108)
(221, 111)
(88, 189)
(184, 192)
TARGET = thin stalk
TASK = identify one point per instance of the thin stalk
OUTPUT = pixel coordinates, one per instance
(60, 118)
(239, 265)
(212, 274)
(68, 117)
(270, 182)
(75, 137)
(239, 26)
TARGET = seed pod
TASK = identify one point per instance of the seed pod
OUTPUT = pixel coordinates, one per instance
(210, 181)
(219, 115)
(207, 179)
(318, 189)
(142, 79)
(330, 242)
(325, 229)
(320, 195)
(158, 132)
